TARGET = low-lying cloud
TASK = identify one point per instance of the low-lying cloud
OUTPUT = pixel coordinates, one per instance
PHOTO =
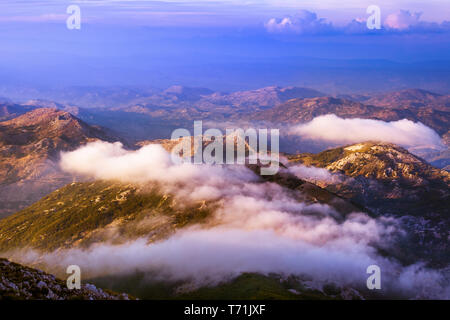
(257, 226)
(315, 175)
(206, 257)
(332, 128)
(151, 163)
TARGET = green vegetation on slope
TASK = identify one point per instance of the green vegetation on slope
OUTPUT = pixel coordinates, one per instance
(247, 286)
(82, 213)
(321, 159)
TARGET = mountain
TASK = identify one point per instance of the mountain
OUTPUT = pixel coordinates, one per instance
(384, 178)
(187, 93)
(80, 214)
(195, 103)
(176, 96)
(263, 98)
(304, 110)
(83, 215)
(389, 180)
(410, 99)
(10, 110)
(94, 96)
(18, 282)
(29, 149)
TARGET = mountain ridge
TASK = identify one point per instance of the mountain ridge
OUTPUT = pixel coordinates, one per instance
(29, 150)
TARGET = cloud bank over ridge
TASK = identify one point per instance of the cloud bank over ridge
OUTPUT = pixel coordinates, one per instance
(331, 128)
(257, 227)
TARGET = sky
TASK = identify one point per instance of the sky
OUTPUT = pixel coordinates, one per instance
(226, 45)
(200, 12)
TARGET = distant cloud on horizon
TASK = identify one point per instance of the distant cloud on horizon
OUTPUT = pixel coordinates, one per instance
(303, 22)
(308, 23)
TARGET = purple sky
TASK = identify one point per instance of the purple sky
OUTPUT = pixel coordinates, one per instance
(226, 44)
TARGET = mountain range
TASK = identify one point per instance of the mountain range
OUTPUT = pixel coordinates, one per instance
(46, 210)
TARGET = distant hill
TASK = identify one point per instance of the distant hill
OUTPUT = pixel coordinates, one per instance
(437, 117)
(198, 103)
(411, 99)
(304, 110)
(11, 110)
(263, 98)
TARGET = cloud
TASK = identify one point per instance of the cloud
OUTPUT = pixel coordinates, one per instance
(402, 20)
(319, 176)
(305, 22)
(257, 226)
(405, 21)
(151, 163)
(50, 17)
(404, 132)
(206, 257)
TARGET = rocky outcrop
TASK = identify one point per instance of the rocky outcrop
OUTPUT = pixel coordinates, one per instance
(18, 282)
(384, 178)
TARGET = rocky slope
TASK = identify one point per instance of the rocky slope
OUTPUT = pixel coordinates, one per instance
(388, 180)
(385, 178)
(18, 282)
(29, 149)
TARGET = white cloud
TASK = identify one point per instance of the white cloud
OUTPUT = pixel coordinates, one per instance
(402, 20)
(151, 163)
(315, 175)
(210, 256)
(257, 227)
(307, 22)
(303, 22)
(404, 132)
